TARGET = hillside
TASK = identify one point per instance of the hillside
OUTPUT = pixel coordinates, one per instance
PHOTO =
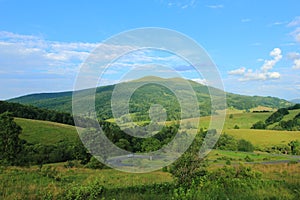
(50, 133)
(46, 133)
(147, 95)
(283, 119)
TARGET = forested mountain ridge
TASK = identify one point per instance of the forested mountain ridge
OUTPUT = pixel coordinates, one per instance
(148, 94)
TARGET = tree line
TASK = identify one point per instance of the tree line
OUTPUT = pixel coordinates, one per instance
(31, 112)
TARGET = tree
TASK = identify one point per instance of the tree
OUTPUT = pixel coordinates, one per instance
(259, 125)
(10, 143)
(244, 145)
(226, 142)
(124, 144)
(150, 144)
(295, 147)
(189, 168)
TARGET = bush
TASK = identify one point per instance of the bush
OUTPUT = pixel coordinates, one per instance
(95, 164)
(259, 125)
(244, 145)
(92, 191)
(236, 127)
(50, 172)
(226, 142)
(248, 159)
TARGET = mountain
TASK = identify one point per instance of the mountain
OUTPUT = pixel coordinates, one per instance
(295, 101)
(148, 94)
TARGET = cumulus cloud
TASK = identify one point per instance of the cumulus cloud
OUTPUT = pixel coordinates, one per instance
(264, 72)
(269, 64)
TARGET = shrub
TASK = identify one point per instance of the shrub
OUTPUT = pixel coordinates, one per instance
(248, 159)
(259, 125)
(91, 191)
(95, 164)
(244, 145)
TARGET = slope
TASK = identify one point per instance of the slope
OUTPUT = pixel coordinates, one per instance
(149, 94)
(44, 132)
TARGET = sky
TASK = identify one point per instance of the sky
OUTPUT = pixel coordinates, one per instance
(255, 44)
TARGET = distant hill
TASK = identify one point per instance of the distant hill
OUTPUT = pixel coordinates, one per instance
(295, 101)
(148, 94)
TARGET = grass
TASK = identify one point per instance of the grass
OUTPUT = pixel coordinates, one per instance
(242, 119)
(290, 173)
(35, 131)
(220, 157)
(290, 116)
(44, 132)
(264, 138)
(31, 183)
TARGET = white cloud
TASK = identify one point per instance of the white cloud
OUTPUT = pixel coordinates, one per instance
(182, 4)
(26, 51)
(201, 81)
(239, 71)
(273, 75)
(296, 34)
(216, 6)
(260, 60)
(294, 22)
(35, 54)
(264, 72)
(296, 64)
(269, 64)
(293, 55)
(278, 23)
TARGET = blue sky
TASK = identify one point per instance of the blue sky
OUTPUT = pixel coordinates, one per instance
(254, 43)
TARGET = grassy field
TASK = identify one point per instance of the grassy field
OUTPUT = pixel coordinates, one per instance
(44, 132)
(235, 157)
(264, 138)
(54, 179)
(35, 131)
(243, 120)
